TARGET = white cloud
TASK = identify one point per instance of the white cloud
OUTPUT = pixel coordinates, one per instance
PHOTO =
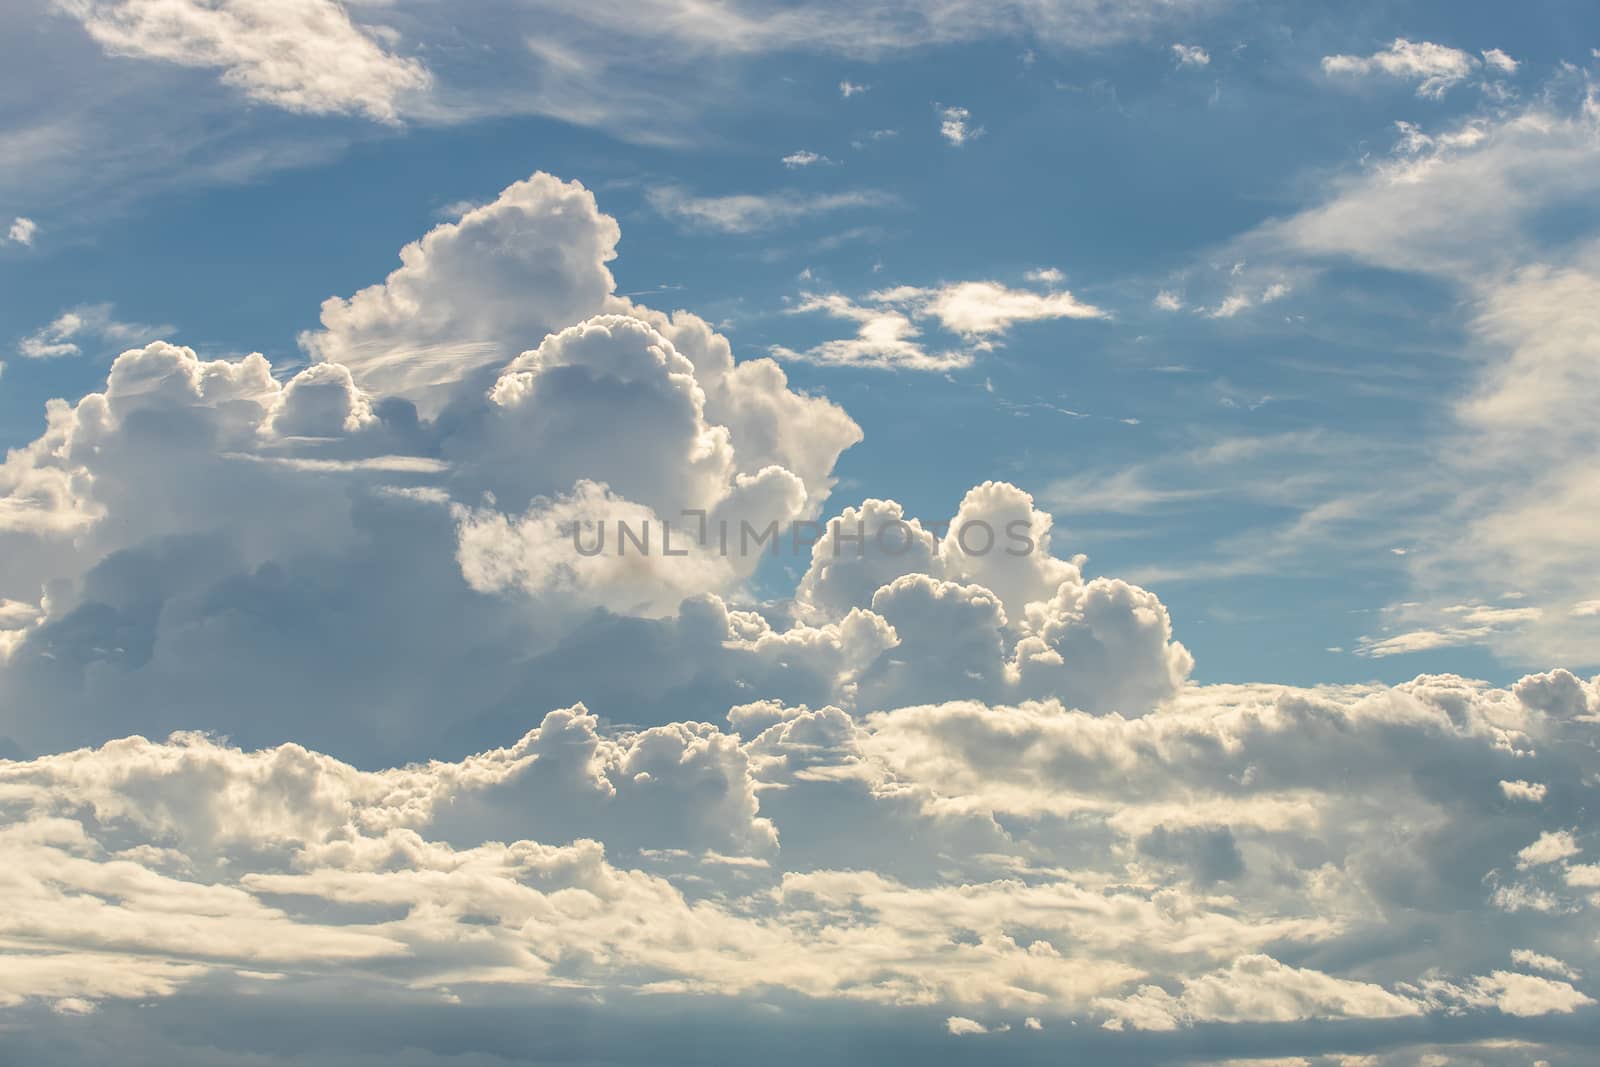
(300, 55)
(1462, 205)
(1532, 792)
(1535, 961)
(1435, 68)
(1237, 301)
(1191, 55)
(1552, 847)
(68, 332)
(983, 308)
(979, 312)
(954, 125)
(753, 213)
(1497, 59)
(885, 338)
(1257, 989)
(847, 88)
(937, 783)
(804, 158)
(22, 231)
(1167, 300)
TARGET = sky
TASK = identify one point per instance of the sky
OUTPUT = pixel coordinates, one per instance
(1261, 340)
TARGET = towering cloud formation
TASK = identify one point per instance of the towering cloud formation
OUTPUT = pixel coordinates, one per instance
(260, 639)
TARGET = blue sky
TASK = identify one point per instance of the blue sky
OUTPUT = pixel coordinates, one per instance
(1275, 325)
(1125, 168)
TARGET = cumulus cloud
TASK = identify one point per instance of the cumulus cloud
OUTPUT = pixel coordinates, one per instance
(955, 126)
(685, 860)
(22, 231)
(1191, 55)
(955, 781)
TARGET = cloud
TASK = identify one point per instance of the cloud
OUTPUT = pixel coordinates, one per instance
(304, 675)
(886, 338)
(301, 55)
(22, 231)
(847, 88)
(979, 312)
(754, 213)
(1237, 301)
(1191, 55)
(1257, 989)
(683, 860)
(1497, 59)
(1461, 205)
(1532, 792)
(1435, 68)
(804, 158)
(954, 127)
(66, 334)
(1551, 847)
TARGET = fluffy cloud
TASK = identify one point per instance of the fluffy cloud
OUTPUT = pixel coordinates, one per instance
(954, 783)
(688, 861)
(22, 231)
(955, 126)
(147, 514)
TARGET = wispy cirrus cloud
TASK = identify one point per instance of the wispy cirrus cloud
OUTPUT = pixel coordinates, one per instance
(96, 324)
(742, 213)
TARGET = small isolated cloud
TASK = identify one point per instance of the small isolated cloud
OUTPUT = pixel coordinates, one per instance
(847, 89)
(1242, 300)
(955, 125)
(1436, 68)
(980, 309)
(1046, 276)
(1497, 59)
(804, 158)
(1191, 55)
(888, 335)
(1585, 609)
(1552, 847)
(1532, 792)
(751, 213)
(1167, 300)
(22, 231)
(962, 1026)
(71, 330)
